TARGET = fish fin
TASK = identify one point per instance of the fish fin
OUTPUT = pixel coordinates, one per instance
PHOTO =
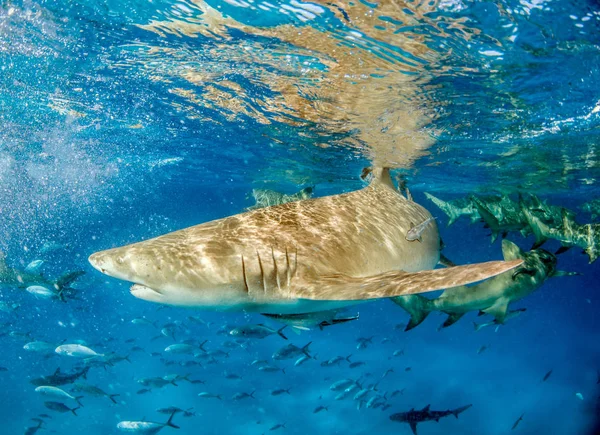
(305, 349)
(77, 399)
(539, 229)
(488, 218)
(75, 409)
(417, 306)
(452, 319)
(112, 397)
(397, 283)
(170, 421)
(444, 261)
(201, 345)
(562, 249)
(280, 332)
(426, 409)
(510, 251)
(413, 427)
(498, 310)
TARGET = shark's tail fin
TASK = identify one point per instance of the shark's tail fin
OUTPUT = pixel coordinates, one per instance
(417, 306)
(452, 212)
(460, 410)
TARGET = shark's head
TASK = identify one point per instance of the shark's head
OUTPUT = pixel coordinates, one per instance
(538, 264)
(165, 276)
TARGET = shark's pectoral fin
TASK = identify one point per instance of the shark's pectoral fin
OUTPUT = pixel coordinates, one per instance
(413, 426)
(498, 310)
(452, 319)
(397, 283)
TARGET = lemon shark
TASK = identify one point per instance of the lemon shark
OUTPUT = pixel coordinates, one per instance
(299, 257)
(570, 234)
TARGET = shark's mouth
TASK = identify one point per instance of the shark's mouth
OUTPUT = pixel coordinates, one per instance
(146, 293)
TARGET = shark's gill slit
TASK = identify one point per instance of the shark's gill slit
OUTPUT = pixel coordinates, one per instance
(244, 275)
(288, 270)
(262, 273)
(275, 270)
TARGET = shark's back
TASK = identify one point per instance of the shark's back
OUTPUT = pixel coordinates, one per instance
(359, 233)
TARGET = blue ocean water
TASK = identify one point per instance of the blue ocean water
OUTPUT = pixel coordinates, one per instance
(125, 120)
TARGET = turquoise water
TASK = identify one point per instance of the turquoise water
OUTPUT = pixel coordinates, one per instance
(124, 120)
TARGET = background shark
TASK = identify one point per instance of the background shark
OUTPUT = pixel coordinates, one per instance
(501, 214)
(492, 296)
(413, 417)
(569, 234)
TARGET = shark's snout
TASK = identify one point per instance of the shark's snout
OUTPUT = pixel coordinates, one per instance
(108, 263)
(98, 261)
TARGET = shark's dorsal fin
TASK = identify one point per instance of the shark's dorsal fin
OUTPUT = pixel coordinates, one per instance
(378, 176)
(426, 409)
(510, 251)
(57, 371)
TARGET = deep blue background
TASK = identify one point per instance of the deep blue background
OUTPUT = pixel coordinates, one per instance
(76, 170)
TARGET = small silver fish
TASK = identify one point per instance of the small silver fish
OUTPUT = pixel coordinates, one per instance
(415, 232)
